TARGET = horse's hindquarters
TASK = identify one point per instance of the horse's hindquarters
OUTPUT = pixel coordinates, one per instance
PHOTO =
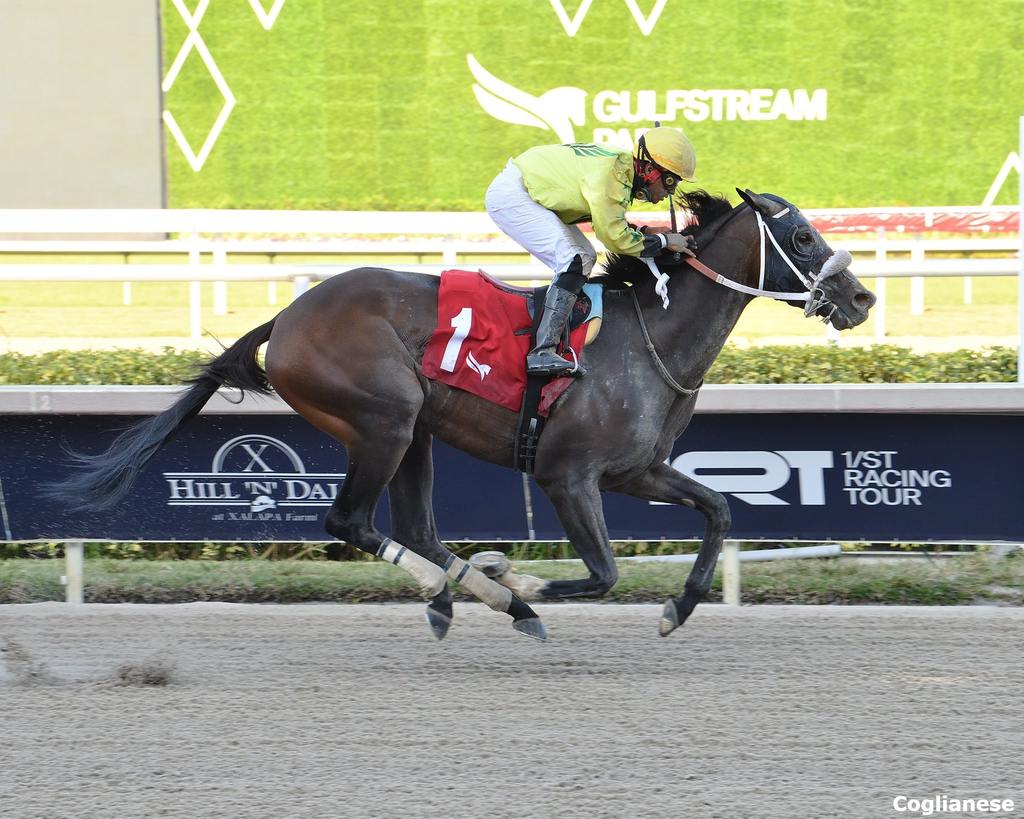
(345, 354)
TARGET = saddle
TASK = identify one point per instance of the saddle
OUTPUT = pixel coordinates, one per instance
(484, 330)
(589, 307)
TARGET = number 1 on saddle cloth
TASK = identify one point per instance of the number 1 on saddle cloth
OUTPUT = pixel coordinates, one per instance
(482, 338)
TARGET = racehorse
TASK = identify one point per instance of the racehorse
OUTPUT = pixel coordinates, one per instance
(346, 356)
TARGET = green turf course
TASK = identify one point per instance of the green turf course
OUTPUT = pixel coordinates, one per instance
(348, 105)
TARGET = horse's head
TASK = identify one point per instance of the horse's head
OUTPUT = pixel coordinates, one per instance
(795, 258)
(765, 249)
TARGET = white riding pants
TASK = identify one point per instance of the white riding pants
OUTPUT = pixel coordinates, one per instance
(533, 226)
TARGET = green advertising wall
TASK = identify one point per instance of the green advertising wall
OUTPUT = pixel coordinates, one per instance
(417, 104)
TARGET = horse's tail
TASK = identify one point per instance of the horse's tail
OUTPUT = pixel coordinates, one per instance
(104, 479)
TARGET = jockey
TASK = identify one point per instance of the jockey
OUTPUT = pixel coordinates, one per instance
(542, 194)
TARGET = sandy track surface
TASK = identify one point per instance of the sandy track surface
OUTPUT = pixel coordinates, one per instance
(355, 711)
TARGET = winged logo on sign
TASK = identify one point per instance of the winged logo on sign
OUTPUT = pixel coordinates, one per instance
(556, 110)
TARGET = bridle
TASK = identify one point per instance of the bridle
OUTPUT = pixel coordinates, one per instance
(813, 297)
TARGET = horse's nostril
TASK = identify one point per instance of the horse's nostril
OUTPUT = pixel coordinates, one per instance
(865, 300)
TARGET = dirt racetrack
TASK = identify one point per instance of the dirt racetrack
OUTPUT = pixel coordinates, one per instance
(219, 710)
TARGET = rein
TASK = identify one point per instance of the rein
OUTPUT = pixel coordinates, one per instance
(659, 365)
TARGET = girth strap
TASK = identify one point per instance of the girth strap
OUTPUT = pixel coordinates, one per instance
(531, 422)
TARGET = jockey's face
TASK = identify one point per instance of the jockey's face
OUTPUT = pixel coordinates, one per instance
(657, 190)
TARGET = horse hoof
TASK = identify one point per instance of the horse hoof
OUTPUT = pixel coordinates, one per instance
(669, 619)
(490, 564)
(440, 613)
(439, 623)
(531, 627)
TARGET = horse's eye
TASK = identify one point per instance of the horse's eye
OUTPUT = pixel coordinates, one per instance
(804, 240)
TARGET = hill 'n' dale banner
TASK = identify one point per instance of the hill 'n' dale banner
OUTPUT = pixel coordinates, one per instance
(416, 104)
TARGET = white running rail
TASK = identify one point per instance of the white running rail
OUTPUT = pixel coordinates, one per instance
(222, 245)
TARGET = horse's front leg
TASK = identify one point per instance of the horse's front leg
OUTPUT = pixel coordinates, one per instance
(664, 484)
(578, 505)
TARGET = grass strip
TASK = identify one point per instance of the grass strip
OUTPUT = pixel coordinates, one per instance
(957, 581)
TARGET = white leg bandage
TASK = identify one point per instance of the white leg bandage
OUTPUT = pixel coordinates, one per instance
(430, 578)
(484, 589)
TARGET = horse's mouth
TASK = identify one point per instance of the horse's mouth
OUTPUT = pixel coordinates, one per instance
(837, 297)
(849, 306)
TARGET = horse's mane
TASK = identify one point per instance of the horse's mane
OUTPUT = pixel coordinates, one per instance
(706, 211)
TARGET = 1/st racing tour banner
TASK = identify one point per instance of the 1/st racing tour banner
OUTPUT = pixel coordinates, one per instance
(792, 476)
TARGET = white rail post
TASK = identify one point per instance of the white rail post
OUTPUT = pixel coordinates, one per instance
(271, 293)
(220, 287)
(880, 253)
(195, 310)
(126, 293)
(74, 568)
(1020, 273)
(448, 256)
(195, 307)
(917, 282)
(968, 290)
(299, 286)
(731, 572)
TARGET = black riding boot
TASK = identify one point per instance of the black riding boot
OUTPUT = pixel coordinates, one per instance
(542, 359)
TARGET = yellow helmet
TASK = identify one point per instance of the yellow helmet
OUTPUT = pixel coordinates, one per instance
(669, 148)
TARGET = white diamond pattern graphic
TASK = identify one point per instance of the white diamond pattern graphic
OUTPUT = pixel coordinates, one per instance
(191, 18)
(1011, 163)
(197, 160)
(195, 41)
(266, 18)
(647, 23)
(570, 26)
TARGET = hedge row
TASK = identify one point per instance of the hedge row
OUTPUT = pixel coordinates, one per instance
(878, 364)
(100, 367)
(807, 364)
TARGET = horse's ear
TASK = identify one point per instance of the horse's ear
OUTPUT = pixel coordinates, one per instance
(759, 203)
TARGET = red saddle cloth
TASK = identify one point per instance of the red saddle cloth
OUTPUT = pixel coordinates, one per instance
(474, 346)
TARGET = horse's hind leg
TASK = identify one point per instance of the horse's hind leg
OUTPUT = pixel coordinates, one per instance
(412, 519)
(373, 462)
(412, 515)
(664, 484)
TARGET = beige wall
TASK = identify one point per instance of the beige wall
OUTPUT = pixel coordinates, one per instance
(80, 104)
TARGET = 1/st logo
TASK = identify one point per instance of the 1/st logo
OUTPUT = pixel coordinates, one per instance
(871, 477)
(753, 475)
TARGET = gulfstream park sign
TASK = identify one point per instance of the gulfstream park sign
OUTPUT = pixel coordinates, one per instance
(565, 108)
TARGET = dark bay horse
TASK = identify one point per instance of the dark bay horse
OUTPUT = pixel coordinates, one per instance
(346, 356)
